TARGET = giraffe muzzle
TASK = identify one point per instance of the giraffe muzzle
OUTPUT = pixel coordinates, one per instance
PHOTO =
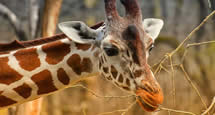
(149, 100)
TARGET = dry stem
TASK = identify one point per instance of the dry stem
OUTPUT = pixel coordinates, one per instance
(99, 96)
(184, 41)
(120, 110)
(176, 111)
(173, 80)
(169, 55)
(201, 43)
(193, 85)
(210, 107)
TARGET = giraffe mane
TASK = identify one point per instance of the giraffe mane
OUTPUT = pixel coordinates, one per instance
(14, 45)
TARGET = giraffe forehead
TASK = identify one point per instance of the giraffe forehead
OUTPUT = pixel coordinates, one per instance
(129, 35)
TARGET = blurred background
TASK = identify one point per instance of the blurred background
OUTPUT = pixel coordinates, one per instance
(180, 18)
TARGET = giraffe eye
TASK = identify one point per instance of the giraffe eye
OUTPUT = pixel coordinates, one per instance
(112, 51)
(150, 49)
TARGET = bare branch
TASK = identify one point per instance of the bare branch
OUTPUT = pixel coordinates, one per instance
(201, 43)
(210, 107)
(99, 96)
(193, 85)
(177, 111)
(120, 110)
(14, 21)
(33, 17)
(173, 82)
(183, 42)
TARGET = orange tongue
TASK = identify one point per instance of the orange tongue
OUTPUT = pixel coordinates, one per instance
(149, 101)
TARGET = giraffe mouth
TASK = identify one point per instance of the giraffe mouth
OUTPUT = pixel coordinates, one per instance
(149, 101)
(146, 105)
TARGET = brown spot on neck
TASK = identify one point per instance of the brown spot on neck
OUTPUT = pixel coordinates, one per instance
(106, 69)
(62, 76)
(79, 66)
(24, 90)
(138, 73)
(28, 58)
(100, 65)
(44, 82)
(83, 47)
(114, 72)
(109, 78)
(120, 79)
(5, 101)
(126, 88)
(101, 60)
(56, 51)
(128, 82)
(7, 74)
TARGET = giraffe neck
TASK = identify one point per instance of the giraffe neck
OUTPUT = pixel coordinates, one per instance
(30, 73)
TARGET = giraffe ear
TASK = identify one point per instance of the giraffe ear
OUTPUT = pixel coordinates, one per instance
(152, 27)
(78, 32)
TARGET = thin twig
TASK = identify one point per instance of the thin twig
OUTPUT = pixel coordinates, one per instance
(120, 110)
(99, 96)
(192, 45)
(176, 111)
(184, 41)
(129, 107)
(160, 63)
(201, 43)
(193, 85)
(191, 34)
(210, 107)
(165, 69)
(173, 80)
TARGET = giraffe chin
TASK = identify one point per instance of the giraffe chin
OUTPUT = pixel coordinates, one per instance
(149, 102)
(146, 106)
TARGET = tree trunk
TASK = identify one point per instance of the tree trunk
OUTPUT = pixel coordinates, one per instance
(33, 18)
(49, 22)
(29, 108)
(50, 17)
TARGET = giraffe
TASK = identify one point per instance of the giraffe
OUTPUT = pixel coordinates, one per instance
(117, 49)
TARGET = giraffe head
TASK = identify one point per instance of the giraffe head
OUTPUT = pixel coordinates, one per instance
(124, 44)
